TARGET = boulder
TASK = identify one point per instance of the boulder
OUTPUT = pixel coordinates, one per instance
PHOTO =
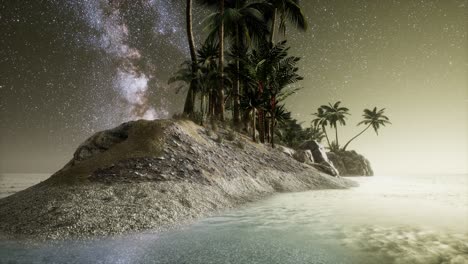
(101, 142)
(288, 151)
(350, 163)
(319, 156)
(304, 156)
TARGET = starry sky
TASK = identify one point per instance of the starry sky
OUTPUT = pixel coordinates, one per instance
(70, 68)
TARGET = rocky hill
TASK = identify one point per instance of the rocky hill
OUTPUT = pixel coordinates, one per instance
(151, 175)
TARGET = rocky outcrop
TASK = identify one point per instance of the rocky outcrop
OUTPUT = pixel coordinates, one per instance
(350, 163)
(288, 151)
(150, 175)
(304, 156)
(320, 158)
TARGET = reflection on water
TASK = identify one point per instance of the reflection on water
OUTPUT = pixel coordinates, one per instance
(385, 220)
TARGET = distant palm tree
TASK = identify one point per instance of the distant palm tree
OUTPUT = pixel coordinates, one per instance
(322, 121)
(374, 118)
(286, 10)
(335, 114)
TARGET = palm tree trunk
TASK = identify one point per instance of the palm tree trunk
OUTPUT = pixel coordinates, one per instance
(254, 137)
(188, 106)
(326, 136)
(236, 113)
(190, 99)
(212, 104)
(202, 112)
(191, 43)
(221, 63)
(261, 125)
(273, 125)
(345, 146)
(273, 26)
(336, 136)
(272, 128)
(273, 119)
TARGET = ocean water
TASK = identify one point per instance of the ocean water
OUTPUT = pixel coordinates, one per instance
(14, 182)
(388, 219)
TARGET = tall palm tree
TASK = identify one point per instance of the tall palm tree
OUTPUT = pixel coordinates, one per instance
(322, 121)
(208, 74)
(221, 62)
(335, 115)
(190, 99)
(205, 78)
(372, 118)
(244, 25)
(286, 10)
(220, 99)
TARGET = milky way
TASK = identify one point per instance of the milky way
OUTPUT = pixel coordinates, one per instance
(130, 82)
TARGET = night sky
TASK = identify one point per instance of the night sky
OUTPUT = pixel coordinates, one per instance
(71, 68)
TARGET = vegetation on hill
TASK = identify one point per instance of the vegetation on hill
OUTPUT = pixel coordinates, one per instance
(240, 74)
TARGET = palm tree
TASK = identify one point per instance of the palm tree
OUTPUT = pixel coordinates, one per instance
(221, 62)
(372, 118)
(280, 116)
(322, 121)
(208, 75)
(205, 78)
(335, 114)
(244, 25)
(283, 74)
(220, 99)
(190, 99)
(287, 10)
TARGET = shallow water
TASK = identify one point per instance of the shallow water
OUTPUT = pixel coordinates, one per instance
(412, 219)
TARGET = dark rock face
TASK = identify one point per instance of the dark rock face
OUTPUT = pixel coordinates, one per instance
(320, 157)
(101, 142)
(350, 163)
(304, 156)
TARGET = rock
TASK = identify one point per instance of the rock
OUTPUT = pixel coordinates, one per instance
(288, 151)
(101, 142)
(304, 156)
(318, 151)
(320, 157)
(350, 163)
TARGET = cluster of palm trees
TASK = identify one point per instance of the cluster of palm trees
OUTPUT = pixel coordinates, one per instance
(240, 66)
(334, 115)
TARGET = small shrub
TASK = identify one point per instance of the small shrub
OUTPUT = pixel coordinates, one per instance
(240, 144)
(231, 135)
(334, 147)
(219, 138)
(214, 124)
(198, 118)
